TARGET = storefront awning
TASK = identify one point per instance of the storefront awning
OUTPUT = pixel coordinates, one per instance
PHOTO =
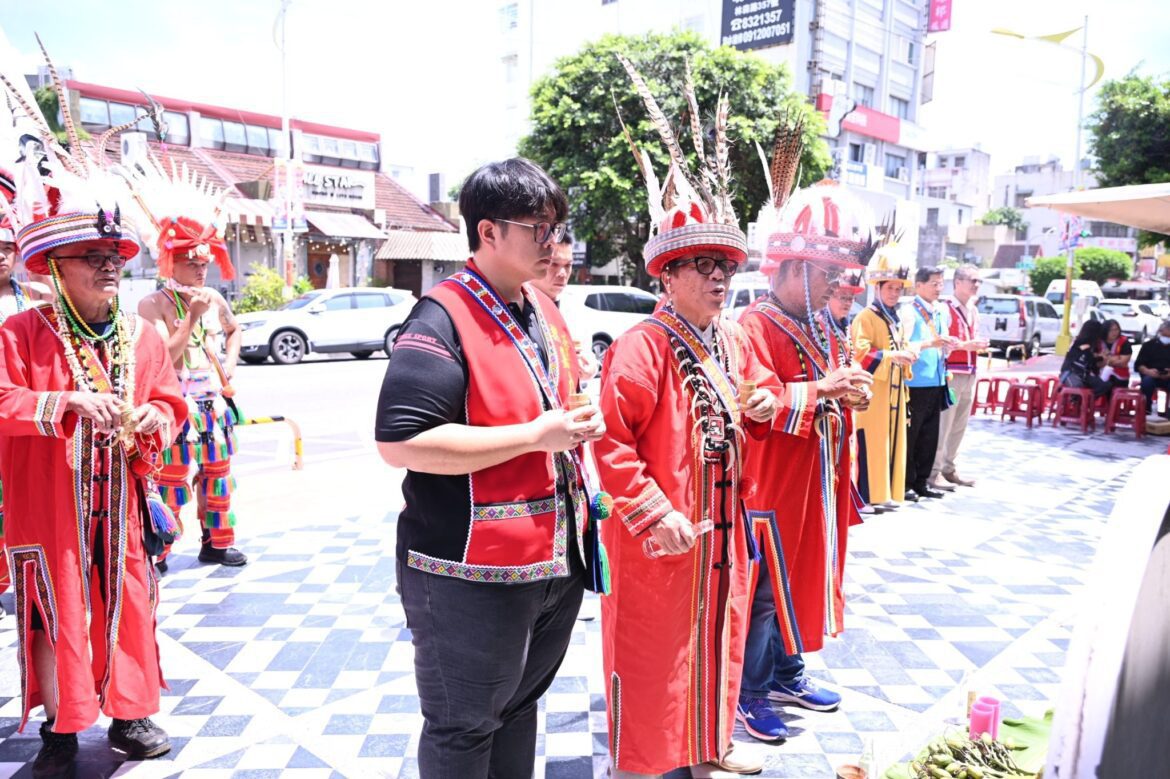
(341, 225)
(1144, 206)
(423, 245)
(245, 211)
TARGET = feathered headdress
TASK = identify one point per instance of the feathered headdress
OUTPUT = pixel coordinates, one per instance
(691, 212)
(890, 261)
(63, 196)
(182, 211)
(823, 222)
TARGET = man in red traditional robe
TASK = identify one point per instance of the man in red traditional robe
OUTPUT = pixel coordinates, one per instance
(87, 400)
(805, 499)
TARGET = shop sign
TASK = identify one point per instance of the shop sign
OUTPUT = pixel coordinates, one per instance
(940, 16)
(288, 199)
(339, 187)
(864, 121)
(757, 24)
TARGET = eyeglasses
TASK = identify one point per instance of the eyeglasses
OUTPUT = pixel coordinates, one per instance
(707, 265)
(96, 260)
(831, 274)
(542, 232)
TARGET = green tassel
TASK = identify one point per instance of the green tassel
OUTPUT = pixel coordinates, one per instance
(606, 580)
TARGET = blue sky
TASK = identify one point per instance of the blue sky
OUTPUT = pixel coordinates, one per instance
(421, 73)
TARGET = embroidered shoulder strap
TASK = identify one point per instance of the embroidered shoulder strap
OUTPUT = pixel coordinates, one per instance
(698, 351)
(790, 327)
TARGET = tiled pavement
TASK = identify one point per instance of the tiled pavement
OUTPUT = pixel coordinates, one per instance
(299, 665)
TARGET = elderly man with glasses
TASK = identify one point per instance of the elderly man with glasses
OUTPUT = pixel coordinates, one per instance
(961, 363)
(804, 500)
(88, 399)
(494, 543)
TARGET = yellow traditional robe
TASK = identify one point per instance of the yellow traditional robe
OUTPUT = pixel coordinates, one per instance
(881, 429)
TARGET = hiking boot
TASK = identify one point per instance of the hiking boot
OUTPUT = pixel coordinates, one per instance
(807, 694)
(759, 720)
(230, 556)
(57, 753)
(140, 738)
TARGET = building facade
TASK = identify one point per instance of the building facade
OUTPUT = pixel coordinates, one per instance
(346, 208)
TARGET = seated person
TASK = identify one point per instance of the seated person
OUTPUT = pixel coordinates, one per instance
(1153, 365)
(1117, 351)
(1082, 364)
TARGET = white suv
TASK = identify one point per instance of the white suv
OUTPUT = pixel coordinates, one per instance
(744, 289)
(1136, 317)
(597, 315)
(358, 320)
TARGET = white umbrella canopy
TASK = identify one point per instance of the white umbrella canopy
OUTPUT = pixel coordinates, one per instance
(1144, 206)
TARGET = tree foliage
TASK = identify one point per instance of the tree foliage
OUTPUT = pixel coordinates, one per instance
(1128, 134)
(50, 106)
(1048, 269)
(1101, 265)
(576, 136)
(264, 290)
(1004, 216)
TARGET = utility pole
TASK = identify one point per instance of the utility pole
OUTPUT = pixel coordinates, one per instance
(1064, 340)
(286, 232)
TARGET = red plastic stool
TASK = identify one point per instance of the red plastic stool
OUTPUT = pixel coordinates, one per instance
(1024, 398)
(1049, 386)
(1127, 408)
(995, 396)
(1075, 405)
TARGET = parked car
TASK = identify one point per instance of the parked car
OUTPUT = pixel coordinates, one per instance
(597, 315)
(358, 320)
(1008, 320)
(743, 290)
(1136, 317)
(1081, 288)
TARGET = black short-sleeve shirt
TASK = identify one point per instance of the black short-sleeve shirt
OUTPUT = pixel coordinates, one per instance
(426, 386)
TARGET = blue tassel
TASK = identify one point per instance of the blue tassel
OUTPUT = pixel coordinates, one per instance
(162, 517)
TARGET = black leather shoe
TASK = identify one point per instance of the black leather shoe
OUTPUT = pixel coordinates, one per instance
(57, 753)
(927, 492)
(161, 566)
(230, 556)
(141, 738)
(911, 496)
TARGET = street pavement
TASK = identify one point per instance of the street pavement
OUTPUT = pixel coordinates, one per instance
(300, 664)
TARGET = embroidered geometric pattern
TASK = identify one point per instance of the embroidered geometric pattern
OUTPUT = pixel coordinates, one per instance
(644, 510)
(796, 332)
(490, 573)
(525, 508)
(797, 421)
(46, 413)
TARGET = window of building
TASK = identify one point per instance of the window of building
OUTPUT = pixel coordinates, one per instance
(863, 94)
(895, 166)
(235, 137)
(856, 153)
(211, 132)
(511, 66)
(937, 192)
(257, 139)
(1021, 197)
(960, 162)
(276, 142)
(95, 113)
(329, 153)
(900, 107)
(932, 217)
(349, 153)
(120, 113)
(178, 128)
(509, 17)
(960, 216)
(368, 156)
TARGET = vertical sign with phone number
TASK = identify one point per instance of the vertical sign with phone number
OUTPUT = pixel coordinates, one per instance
(756, 24)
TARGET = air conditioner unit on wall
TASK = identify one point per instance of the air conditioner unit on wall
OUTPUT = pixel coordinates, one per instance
(903, 174)
(133, 148)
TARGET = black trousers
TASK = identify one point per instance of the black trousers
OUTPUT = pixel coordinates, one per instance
(926, 406)
(483, 656)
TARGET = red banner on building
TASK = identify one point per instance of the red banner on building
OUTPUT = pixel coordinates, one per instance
(940, 16)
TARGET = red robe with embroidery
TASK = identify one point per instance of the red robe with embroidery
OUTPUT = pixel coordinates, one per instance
(57, 490)
(804, 500)
(673, 628)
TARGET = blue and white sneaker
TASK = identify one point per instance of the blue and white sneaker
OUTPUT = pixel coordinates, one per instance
(759, 720)
(805, 693)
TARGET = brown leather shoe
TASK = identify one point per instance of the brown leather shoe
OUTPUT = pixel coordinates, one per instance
(954, 478)
(738, 761)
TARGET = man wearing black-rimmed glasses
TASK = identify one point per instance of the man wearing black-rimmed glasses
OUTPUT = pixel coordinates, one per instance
(491, 553)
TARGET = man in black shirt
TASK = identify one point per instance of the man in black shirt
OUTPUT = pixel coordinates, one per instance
(1153, 364)
(490, 552)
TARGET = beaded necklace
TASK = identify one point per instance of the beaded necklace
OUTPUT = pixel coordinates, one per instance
(71, 318)
(198, 338)
(18, 293)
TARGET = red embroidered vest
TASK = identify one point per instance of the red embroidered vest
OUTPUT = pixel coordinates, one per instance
(517, 531)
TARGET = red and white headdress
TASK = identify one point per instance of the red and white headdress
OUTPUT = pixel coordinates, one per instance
(691, 213)
(182, 211)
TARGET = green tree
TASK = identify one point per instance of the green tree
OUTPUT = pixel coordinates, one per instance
(1128, 134)
(50, 106)
(264, 290)
(1101, 265)
(1004, 216)
(1047, 269)
(576, 136)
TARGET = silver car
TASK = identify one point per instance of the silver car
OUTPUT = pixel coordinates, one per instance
(1011, 320)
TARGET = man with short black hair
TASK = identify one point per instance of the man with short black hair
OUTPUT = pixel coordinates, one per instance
(560, 268)
(1153, 365)
(929, 326)
(491, 543)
